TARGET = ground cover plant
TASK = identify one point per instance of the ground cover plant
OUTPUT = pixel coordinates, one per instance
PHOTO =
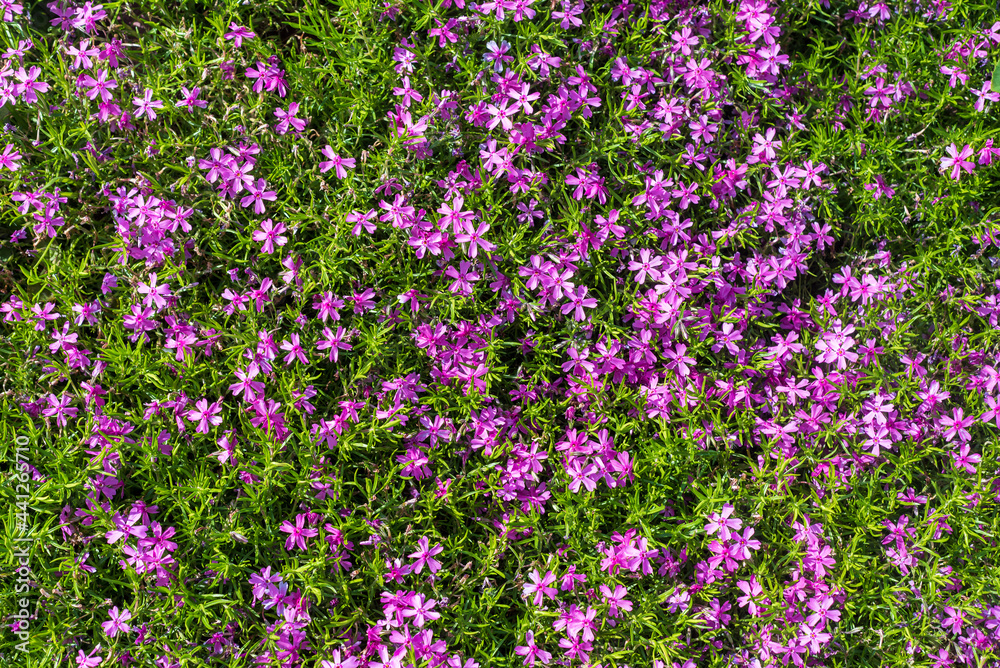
(516, 333)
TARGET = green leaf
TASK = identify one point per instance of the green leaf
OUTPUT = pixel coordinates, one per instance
(995, 83)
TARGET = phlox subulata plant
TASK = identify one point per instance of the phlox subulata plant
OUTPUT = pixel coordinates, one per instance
(505, 333)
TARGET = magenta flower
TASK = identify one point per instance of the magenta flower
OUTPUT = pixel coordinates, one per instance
(100, 86)
(475, 237)
(335, 661)
(821, 611)
(287, 119)
(958, 425)
(295, 351)
(205, 415)
(89, 660)
(333, 342)
(409, 93)
(414, 461)
(421, 610)
(745, 543)
(956, 161)
(425, 555)
(117, 623)
(716, 615)
(751, 592)
(237, 34)
(723, 524)
(532, 652)
(270, 234)
(60, 409)
(464, 277)
(30, 85)
(335, 162)
(993, 411)
(764, 148)
(10, 157)
(82, 55)
(155, 295)
(966, 460)
(146, 105)
(616, 600)
(813, 637)
(578, 300)
(265, 584)
(191, 100)
(539, 586)
(297, 533)
(258, 193)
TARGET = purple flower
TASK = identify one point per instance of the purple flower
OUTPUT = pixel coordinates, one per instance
(425, 555)
(539, 586)
(335, 162)
(146, 105)
(237, 34)
(532, 652)
(956, 161)
(297, 533)
(205, 414)
(270, 234)
(117, 623)
(258, 193)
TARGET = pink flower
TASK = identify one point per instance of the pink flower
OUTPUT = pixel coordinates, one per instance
(146, 104)
(238, 33)
(10, 157)
(966, 460)
(751, 591)
(336, 162)
(297, 533)
(421, 610)
(616, 600)
(258, 193)
(89, 660)
(813, 637)
(205, 415)
(578, 300)
(118, 622)
(155, 295)
(532, 652)
(287, 119)
(647, 265)
(270, 234)
(100, 86)
(191, 99)
(957, 161)
(722, 523)
(475, 237)
(539, 586)
(336, 662)
(425, 555)
(30, 84)
(957, 425)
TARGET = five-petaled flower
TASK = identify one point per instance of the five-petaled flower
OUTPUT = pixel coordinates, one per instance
(238, 33)
(146, 105)
(298, 532)
(539, 586)
(335, 162)
(531, 651)
(117, 623)
(270, 233)
(205, 415)
(10, 158)
(258, 193)
(956, 161)
(425, 555)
